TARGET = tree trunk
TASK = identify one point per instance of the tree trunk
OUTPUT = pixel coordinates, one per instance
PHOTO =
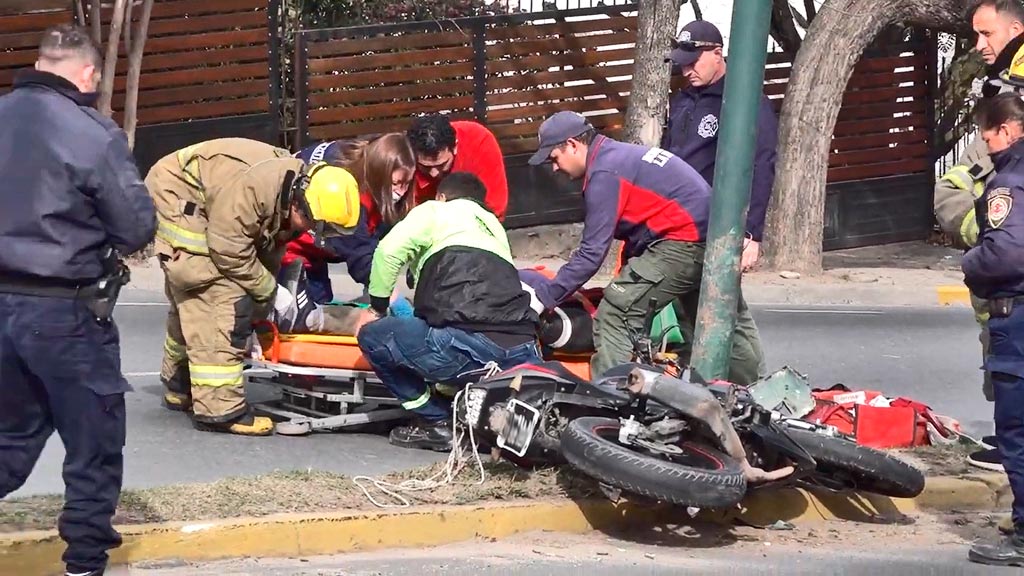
(783, 27)
(833, 45)
(131, 99)
(648, 96)
(110, 60)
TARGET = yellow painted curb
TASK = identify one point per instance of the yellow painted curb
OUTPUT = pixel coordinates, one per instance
(305, 535)
(974, 492)
(295, 535)
(953, 295)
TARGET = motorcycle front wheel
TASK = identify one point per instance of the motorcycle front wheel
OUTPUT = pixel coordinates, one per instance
(860, 467)
(696, 476)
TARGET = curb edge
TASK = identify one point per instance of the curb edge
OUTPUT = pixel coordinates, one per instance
(297, 535)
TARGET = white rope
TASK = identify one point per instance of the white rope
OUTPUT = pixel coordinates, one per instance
(456, 462)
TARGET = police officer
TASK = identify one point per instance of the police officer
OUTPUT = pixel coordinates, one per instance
(70, 190)
(994, 270)
(692, 134)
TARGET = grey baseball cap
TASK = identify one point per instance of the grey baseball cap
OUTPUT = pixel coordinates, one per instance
(694, 38)
(558, 128)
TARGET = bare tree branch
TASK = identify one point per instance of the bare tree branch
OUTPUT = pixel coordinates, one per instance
(128, 26)
(809, 11)
(131, 101)
(79, 12)
(783, 29)
(110, 60)
(697, 14)
(96, 21)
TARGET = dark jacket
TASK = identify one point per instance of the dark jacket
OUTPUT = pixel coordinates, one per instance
(635, 194)
(462, 261)
(994, 268)
(68, 184)
(356, 249)
(692, 134)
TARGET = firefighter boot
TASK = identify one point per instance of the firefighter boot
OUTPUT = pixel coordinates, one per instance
(177, 401)
(248, 425)
(1006, 525)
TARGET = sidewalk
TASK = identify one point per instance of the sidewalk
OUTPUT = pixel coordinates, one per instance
(906, 274)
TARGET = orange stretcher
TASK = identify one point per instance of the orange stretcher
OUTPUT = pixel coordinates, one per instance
(325, 383)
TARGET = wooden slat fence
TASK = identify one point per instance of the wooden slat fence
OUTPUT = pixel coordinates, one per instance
(19, 41)
(203, 59)
(510, 72)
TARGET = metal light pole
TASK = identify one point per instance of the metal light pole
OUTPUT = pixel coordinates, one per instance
(744, 81)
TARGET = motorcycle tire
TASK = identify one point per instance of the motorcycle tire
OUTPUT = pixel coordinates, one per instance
(714, 480)
(868, 469)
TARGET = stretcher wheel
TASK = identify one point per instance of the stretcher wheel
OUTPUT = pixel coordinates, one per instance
(293, 428)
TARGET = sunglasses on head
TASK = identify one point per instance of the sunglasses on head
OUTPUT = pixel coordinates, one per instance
(695, 45)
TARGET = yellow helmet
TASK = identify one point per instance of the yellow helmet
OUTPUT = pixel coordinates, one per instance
(332, 196)
(1014, 75)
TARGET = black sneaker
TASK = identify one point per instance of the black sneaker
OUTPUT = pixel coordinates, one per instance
(1008, 552)
(990, 459)
(990, 441)
(436, 436)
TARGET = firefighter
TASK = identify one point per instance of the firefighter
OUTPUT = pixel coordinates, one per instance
(226, 209)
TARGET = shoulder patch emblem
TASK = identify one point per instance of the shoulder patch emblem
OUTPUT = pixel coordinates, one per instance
(708, 126)
(1000, 202)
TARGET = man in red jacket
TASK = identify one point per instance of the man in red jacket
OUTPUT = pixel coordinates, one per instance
(443, 146)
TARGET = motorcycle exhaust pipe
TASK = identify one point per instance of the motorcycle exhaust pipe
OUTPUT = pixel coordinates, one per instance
(698, 402)
(691, 400)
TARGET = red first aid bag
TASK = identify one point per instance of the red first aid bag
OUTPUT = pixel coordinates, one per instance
(886, 427)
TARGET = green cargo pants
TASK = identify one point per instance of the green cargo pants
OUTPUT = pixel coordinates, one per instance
(746, 362)
(668, 272)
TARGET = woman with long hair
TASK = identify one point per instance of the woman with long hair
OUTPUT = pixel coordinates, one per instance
(384, 166)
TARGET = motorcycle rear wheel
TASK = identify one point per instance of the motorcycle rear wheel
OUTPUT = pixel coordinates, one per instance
(860, 467)
(701, 476)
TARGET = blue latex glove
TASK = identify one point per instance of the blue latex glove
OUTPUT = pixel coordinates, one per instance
(401, 308)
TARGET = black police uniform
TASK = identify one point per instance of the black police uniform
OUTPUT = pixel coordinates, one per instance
(69, 190)
(994, 270)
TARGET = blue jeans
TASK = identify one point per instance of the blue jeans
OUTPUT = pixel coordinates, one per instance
(406, 354)
(1005, 361)
(61, 371)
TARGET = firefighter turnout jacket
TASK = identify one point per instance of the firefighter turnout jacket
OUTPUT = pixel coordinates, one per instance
(220, 201)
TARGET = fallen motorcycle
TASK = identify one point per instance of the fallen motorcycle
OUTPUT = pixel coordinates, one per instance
(653, 428)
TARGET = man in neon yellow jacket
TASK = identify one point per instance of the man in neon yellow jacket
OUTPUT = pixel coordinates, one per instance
(470, 308)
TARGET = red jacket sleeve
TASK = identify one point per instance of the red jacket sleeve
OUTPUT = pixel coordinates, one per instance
(490, 168)
(303, 247)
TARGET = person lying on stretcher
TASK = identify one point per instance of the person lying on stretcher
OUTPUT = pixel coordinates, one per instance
(470, 308)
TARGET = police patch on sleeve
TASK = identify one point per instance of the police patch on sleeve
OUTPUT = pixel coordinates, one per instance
(1000, 202)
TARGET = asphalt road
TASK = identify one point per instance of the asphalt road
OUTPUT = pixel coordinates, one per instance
(930, 354)
(948, 561)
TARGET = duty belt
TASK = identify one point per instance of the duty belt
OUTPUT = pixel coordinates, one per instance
(47, 288)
